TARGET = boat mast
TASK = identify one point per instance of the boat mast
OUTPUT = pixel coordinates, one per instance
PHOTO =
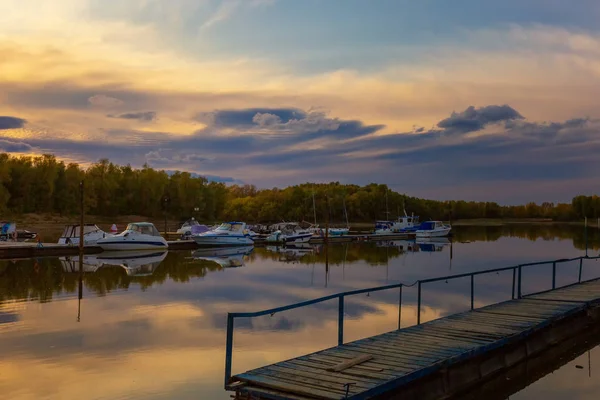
(346, 213)
(314, 208)
(387, 212)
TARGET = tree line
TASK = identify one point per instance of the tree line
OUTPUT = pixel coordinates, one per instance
(44, 184)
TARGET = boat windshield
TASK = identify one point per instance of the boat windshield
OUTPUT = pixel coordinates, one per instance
(146, 229)
(233, 226)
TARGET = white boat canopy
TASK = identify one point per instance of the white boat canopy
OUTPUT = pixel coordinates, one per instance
(145, 228)
(72, 231)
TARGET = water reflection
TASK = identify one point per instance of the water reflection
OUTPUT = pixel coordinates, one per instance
(226, 257)
(158, 331)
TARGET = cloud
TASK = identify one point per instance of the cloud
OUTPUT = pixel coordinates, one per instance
(14, 147)
(103, 101)
(11, 122)
(141, 116)
(473, 119)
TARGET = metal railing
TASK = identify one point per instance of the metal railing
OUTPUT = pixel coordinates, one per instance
(517, 274)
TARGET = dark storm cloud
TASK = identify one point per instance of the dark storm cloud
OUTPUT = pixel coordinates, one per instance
(246, 117)
(10, 146)
(11, 122)
(141, 116)
(474, 119)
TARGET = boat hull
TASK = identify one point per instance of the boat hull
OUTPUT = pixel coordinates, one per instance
(131, 244)
(222, 240)
(433, 233)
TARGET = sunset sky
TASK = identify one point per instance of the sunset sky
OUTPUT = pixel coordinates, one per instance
(464, 99)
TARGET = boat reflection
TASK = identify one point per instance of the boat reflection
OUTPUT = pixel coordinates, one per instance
(135, 263)
(292, 253)
(420, 244)
(226, 257)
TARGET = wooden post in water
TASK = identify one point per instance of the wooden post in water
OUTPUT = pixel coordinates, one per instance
(81, 224)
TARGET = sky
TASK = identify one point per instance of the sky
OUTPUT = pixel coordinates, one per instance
(464, 99)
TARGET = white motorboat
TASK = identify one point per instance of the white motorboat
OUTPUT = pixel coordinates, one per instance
(433, 229)
(290, 233)
(405, 224)
(224, 256)
(227, 234)
(137, 236)
(91, 235)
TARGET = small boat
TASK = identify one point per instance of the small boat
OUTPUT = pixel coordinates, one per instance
(137, 236)
(91, 235)
(405, 224)
(8, 231)
(225, 257)
(433, 229)
(227, 234)
(290, 233)
(192, 227)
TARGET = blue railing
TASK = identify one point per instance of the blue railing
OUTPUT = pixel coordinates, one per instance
(517, 275)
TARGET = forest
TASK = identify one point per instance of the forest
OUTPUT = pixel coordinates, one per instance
(46, 185)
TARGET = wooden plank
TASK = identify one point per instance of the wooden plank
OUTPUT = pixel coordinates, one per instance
(381, 345)
(272, 383)
(320, 377)
(375, 373)
(347, 364)
(375, 363)
(297, 378)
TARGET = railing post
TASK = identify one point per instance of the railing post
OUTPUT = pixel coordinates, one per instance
(400, 307)
(514, 282)
(341, 321)
(228, 349)
(519, 293)
(554, 275)
(580, 268)
(472, 291)
(419, 304)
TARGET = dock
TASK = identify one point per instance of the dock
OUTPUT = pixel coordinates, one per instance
(15, 250)
(431, 360)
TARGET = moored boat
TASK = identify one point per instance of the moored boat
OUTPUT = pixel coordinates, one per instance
(91, 235)
(192, 227)
(227, 234)
(290, 233)
(433, 229)
(405, 224)
(137, 236)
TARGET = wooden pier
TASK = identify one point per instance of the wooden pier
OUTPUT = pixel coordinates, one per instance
(431, 360)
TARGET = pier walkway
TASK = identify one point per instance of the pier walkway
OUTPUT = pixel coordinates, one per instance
(428, 360)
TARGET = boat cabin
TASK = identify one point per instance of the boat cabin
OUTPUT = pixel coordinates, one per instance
(431, 225)
(145, 228)
(232, 227)
(73, 231)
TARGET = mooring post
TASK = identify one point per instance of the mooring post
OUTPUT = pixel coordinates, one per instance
(419, 304)
(554, 275)
(472, 292)
(586, 237)
(400, 307)
(81, 227)
(519, 284)
(580, 268)
(514, 282)
(228, 349)
(341, 321)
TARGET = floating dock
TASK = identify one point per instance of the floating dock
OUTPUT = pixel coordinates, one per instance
(432, 360)
(14, 250)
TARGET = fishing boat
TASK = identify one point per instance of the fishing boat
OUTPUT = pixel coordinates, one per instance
(137, 236)
(405, 224)
(290, 233)
(227, 234)
(91, 235)
(226, 257)
(433, 229)
(192, 227)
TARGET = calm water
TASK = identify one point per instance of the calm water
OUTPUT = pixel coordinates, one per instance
(157, 331)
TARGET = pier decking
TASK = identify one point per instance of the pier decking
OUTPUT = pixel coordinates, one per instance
(430, 360)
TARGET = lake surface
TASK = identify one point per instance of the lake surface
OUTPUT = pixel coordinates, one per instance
(157, 331)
